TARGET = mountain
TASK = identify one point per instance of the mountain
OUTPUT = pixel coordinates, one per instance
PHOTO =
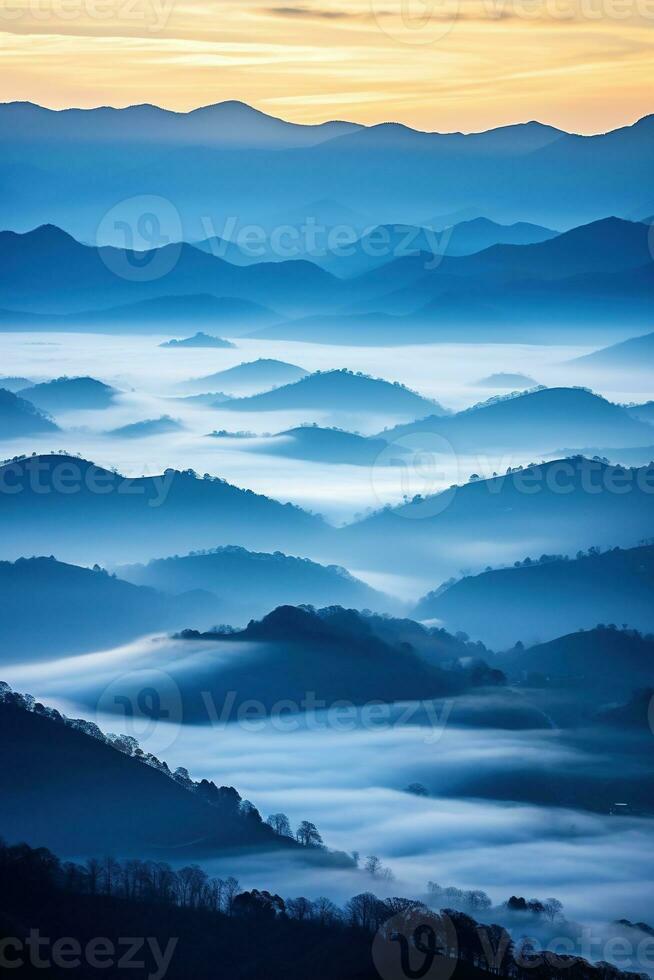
(70, 394)
(48, 608)
(250, 377)
(596, 280)
(553, 508)
(19, 417)
(338, 390)
(324, 445)
(149, 427)
(505, 379)
(540, 600)
(15, 384)
(644, 412)
(634, 354)
(225, 125)
(199, 340)
(83, 513)
(537, 421)
(57, 773)
(334, 653)
(382, 244)
(250, 583)
(82, 162)
(607, 659)
(48, 271)
(150, 316)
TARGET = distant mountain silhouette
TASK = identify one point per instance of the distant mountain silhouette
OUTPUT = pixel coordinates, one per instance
(224, 124)
(525, 172)
(324, 445)
(19, 417)
(57, 774)
(15, 384)
(199, 340)
(544, 599)
(70, 394)
(249, 583)
(83, 513)
(598, 277)
(250, 377)
(504, 379)
(555, 507)
(150, 316)
(539, 420)
(338, 391)
(634, 354)
(149, 427)
(73, 278)
(49, 608)
(644, 412)
(384, 243)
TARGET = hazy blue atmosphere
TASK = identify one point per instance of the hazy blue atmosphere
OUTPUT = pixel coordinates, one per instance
(327, 567)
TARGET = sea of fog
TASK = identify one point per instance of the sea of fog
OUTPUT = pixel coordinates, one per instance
(151, 380)
(348, 774)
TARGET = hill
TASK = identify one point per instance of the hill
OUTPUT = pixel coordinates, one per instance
(323, 445)
(607, 659)
(19, 417)
(48, 271)
(70, 394)
(505, 379)
(15, 384)
(199, 340)
(634, 354)
(382, 244)
(552, 508)
(149, 427)
(83, 513)
(334, 653)
(58, 773)
(250, 583)
(644, 412)
(537, 421)
(542, 599)
(48, 608)
(340, 391)
(250, 377)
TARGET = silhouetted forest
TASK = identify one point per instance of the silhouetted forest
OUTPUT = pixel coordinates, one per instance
(196, 926)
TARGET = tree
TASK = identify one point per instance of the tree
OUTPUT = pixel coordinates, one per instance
(417, 789)
(231, 890)
(373, 866)
(280, 824)
(553, 908)
(307, 835)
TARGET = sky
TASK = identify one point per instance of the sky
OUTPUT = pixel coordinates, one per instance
(583, 65)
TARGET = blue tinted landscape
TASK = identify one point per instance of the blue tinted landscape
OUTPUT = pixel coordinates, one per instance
(327, 546)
